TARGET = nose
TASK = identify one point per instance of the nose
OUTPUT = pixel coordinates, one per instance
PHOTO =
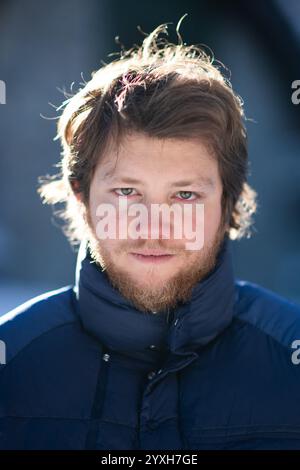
(158, 224)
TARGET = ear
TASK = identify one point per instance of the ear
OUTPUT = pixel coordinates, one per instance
(75, 185)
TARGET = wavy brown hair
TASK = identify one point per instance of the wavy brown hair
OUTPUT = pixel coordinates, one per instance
(163, 90)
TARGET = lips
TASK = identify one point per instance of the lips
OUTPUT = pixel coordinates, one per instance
(152, 253)
(152, 256)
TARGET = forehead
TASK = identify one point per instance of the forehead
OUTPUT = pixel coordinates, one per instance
(144, 155)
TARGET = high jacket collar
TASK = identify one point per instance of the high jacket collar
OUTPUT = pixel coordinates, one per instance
(118, 325)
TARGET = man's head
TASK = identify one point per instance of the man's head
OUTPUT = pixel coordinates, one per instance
(160, 125)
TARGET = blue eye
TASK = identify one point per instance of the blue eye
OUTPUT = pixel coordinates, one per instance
(124, 191)
(186, 195)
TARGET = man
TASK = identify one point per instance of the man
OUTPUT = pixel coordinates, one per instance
(156, 346)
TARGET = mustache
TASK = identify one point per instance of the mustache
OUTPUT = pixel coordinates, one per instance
(147, 244)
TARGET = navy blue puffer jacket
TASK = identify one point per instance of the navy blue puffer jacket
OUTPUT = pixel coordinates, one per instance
(86, 370)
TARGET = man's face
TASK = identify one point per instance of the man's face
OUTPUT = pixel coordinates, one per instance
(156, 273)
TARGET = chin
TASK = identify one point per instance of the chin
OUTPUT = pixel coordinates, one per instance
(146, 278)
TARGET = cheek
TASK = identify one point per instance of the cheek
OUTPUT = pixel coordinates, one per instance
(93, 203)
(104, 218)
(212, 219)
(96, 199)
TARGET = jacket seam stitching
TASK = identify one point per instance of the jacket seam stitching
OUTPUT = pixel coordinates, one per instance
(33, 340)
(263, 332)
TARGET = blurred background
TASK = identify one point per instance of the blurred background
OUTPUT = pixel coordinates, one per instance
(45, 46)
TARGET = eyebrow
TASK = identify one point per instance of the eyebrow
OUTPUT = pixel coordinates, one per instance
(202, 181)
(125, 179)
